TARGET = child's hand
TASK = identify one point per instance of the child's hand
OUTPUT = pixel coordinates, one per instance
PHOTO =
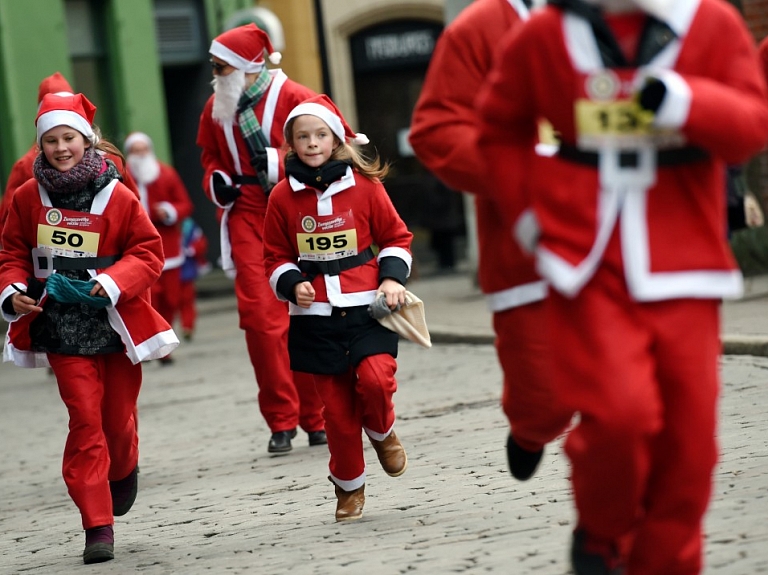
(394, 292)
(23, 304)
(305, 294)
(97, 290)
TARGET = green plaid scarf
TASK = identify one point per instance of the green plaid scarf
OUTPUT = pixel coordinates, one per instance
(249, 124)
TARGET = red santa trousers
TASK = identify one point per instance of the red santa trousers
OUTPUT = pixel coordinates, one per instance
(165, 294)
(361, 397)
(100, 392)
(286, 399)
(188, 306)
(528, 397)
(645, 379)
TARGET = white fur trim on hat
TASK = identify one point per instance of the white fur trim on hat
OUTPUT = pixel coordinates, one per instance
(136, 137)
(236, 60)
(54, 118)
(327, 116)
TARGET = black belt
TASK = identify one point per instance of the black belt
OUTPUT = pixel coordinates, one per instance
(246, 180)
(63, 263)
(630, 159)
(335, 267)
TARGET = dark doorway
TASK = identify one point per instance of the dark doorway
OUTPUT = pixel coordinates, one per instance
(390, 61)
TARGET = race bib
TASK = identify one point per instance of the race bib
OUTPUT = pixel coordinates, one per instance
(69, 233)
(606, 113)
(326, 238)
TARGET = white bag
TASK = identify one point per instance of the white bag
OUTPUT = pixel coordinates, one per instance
(409, 321)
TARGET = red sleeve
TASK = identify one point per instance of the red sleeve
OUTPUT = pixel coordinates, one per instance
(17, 238)
(20, 173)
(508, 122)
(279, 245)
(729, 108)
(210, 157)
(444, 127)
(178, 195)
(387, 227)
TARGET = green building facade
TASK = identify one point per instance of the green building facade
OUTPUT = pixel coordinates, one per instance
(143, 63)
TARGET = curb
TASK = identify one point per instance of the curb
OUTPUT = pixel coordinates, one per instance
(732, 344)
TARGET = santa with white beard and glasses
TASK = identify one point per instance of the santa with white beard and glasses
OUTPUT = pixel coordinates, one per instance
(240, 133)
(627, 224)
(166, 200)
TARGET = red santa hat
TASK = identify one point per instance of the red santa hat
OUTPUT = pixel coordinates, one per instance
(135, 138)
(53, 84)
(322, 107)
(74, 111)
(243, 48)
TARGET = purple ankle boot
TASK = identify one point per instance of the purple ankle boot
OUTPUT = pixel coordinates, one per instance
(99, 544)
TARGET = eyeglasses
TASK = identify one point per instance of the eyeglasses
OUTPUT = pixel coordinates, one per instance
(218, 68)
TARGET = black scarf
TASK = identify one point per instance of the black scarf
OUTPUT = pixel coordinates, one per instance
(656, 35)
(318, 178)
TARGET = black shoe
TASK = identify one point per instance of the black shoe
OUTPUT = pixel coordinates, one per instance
(99, 545)
(124, 493)
(594, 558)
(317, 437)
(522, 463)
(280, 442)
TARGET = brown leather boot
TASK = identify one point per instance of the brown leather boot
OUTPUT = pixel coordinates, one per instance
(391, 454)
(349, 504)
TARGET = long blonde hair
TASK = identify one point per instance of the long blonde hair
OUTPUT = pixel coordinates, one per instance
(369, 166)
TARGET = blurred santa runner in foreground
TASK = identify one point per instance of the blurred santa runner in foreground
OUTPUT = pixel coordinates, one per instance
(627, 224)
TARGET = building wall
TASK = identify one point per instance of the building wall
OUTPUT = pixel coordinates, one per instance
(343, 18)
(24, 60)
(35, 42)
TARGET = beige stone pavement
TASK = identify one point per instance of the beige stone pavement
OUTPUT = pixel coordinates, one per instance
(213, 501)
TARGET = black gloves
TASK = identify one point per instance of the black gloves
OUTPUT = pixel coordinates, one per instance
(225, 194)
(260, 162)
(652, 94)
(35, 288)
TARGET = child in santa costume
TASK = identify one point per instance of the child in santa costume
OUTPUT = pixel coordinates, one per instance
(240, 133)
(627, 225)
(444, 133)
(79, 257)
(21, 171)
(166, 200)
(322, 223)
(196, 264)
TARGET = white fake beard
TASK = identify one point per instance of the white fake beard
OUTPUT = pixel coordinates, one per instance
(145, 169)
(227, 91)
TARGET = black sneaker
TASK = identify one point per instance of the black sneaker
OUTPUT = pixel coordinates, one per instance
(589, 557)
(317, 437)
(280, 442)
(522, 463)
(124, 493)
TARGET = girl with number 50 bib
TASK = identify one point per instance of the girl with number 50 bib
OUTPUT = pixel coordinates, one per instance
(79, 256)
(322, 224)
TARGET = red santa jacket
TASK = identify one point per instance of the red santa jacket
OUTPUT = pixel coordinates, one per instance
(353, 213)
(167, 192)
(224, 150)
(125, 232)
(444, 133)
(669, 210)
